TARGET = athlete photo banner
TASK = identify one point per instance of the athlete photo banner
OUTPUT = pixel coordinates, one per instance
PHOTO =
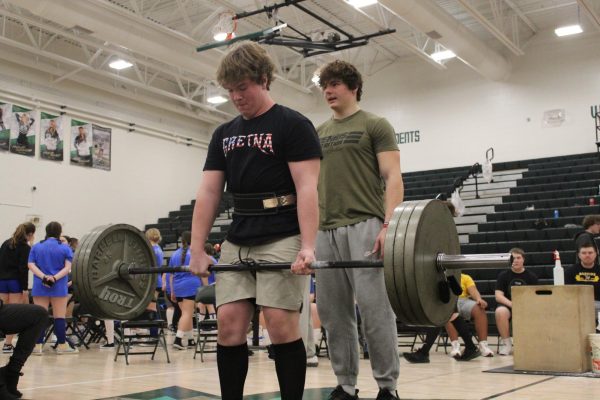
(81, 143)
(22, 131)
(51, 137)
(101, 147)
(5, 111)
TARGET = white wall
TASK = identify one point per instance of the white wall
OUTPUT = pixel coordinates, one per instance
(460, 114)
(149, 177)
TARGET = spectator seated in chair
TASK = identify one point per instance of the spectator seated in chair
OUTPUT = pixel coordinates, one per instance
(517, 275)
(586, 272)
(472, 307)
(591, 226)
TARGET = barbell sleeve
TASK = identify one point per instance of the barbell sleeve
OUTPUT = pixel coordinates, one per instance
(473, 261)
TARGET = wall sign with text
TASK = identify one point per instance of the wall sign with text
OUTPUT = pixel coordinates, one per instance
(408, 137)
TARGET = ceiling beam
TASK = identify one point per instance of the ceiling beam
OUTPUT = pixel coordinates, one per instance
(493, 29)
(521, 15)
(590, 11)
(404, 42)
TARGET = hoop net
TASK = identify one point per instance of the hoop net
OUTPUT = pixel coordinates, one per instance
(227, 24)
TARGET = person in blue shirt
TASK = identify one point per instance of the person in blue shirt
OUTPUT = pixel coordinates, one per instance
(173, 311)
(50, 263)
(208, 310)
(183, 290)
(153, 236)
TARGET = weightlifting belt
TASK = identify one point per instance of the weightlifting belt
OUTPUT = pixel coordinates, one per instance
(262, 203)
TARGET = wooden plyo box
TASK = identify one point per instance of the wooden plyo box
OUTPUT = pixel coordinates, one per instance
(551, 326)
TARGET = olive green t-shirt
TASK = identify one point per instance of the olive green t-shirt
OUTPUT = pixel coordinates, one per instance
(350, 185)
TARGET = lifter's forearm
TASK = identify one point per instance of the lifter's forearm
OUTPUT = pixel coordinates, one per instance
(394, 194)
(308, 216)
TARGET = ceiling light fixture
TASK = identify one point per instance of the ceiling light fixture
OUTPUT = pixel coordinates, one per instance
(316, 79)
(120, 64)
(443, 55)
(568, 30)
(361, 3)
(217, 99)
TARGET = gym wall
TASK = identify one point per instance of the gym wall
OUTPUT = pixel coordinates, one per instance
(459, 114)
(149, 177)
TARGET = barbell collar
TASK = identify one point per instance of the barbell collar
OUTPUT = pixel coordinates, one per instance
(473, 261)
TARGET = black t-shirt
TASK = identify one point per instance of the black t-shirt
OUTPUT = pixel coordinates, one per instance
(13, 262)
(254, 155)
(509, 278)
(578, 275)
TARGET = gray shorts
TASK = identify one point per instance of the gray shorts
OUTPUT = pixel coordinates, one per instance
(465, 306)
(277, 288)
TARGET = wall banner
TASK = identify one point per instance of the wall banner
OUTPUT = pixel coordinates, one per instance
(81, 143)
(22, 131)
(51, 137)
(5, 111)
(101, 147)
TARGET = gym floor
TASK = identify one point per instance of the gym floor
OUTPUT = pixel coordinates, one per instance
(92, 374)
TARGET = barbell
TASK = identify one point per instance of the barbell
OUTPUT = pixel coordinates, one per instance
(114, 267)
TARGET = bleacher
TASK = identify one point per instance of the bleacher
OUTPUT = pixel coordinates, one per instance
(525, 218)
(516, 210)
(179, 221)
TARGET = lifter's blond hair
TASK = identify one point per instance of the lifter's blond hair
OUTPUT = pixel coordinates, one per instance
(246, 60)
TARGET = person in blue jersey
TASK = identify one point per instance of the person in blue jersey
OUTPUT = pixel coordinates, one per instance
(50, 263)
(268, 157)
(14, 254)
(208, 310)
(183, 290)
(153, 236)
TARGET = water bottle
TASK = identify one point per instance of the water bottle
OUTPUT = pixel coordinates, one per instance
(556, 214)
(558, 271)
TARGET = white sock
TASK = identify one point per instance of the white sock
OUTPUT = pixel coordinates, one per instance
(455, 344)
(180, 334)
(170, 312)
(189, 335)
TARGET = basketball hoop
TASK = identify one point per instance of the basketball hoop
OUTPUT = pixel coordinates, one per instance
(225, 27)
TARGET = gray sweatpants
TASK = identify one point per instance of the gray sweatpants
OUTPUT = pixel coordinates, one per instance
(337, 290)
